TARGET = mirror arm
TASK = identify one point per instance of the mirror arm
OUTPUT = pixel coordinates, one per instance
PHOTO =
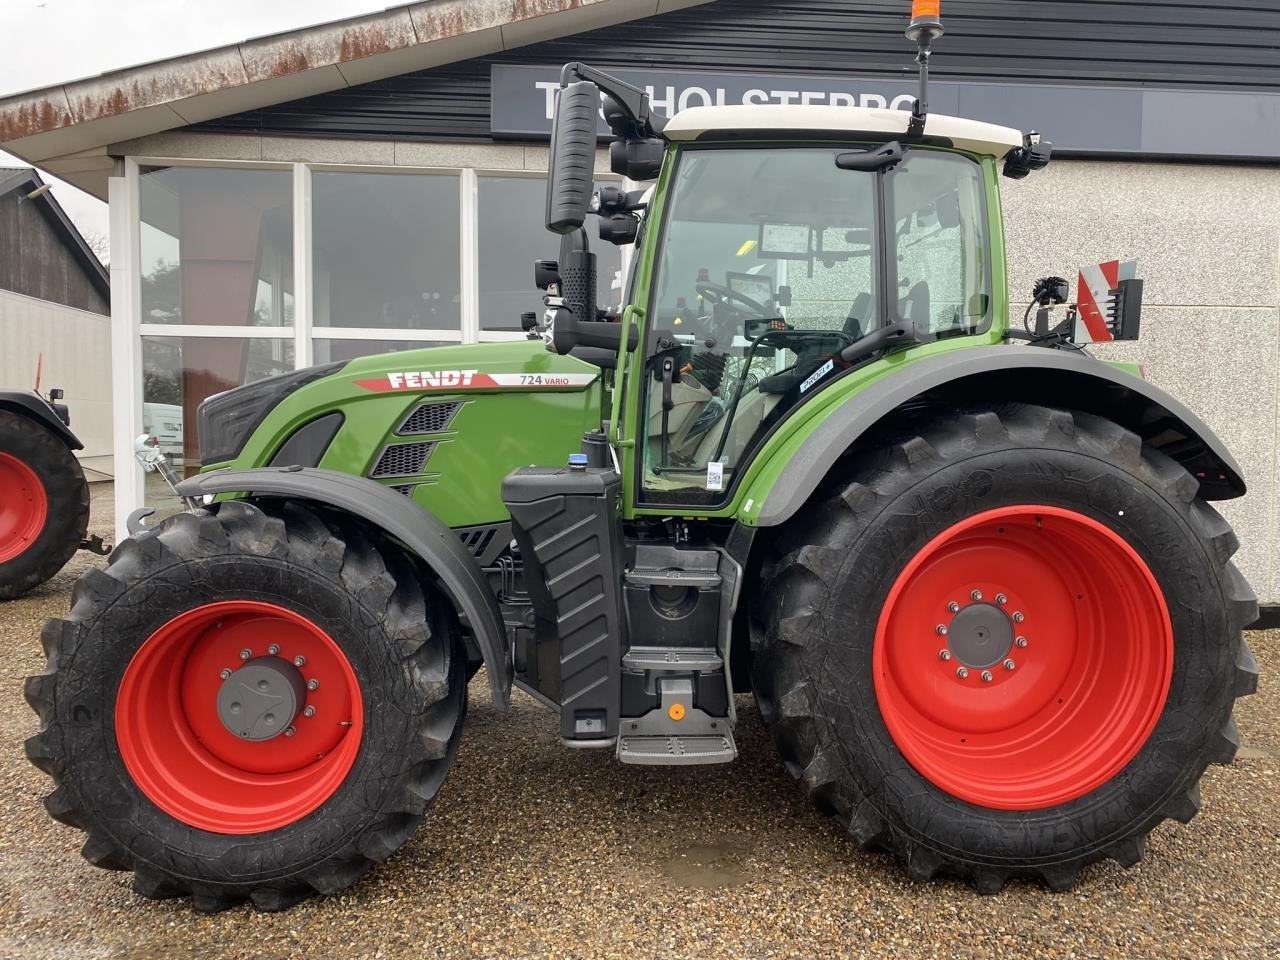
(633, 100)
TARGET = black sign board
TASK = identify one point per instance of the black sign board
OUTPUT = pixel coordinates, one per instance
(1124, 121)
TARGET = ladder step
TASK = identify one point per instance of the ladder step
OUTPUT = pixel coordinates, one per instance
(676, 751)
(686, 659)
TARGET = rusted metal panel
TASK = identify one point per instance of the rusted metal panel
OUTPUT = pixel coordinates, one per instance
(445, 19)
(26, 114)
(159, 83)
(328, 45)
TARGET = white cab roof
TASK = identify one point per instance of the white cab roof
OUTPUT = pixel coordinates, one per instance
(771, 118)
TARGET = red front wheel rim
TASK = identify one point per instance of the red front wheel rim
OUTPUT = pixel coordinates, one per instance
(1023, 657)
(178, 738)
(23, 507)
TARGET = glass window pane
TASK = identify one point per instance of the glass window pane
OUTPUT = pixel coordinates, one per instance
(513, 234)
(178, 373)
(385, 251)
(329, 351)
(216, 246)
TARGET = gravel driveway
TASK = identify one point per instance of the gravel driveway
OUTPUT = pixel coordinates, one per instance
(533, 850)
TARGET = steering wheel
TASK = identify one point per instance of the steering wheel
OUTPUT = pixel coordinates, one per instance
(719, 294)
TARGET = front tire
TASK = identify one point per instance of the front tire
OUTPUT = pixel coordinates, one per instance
(162, 752)
(1007, 645)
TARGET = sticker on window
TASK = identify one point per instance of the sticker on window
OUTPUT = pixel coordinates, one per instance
(817, 375)
(715, 475)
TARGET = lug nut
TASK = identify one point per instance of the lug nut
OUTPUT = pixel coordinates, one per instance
(1001, 598)
(1018, 617)
(1009, 664)
(310, 711)
(944, 655)
(941, 629)
(986, 676)
(289, 731)
(975, 595)
(246, 653)
(953, 607)
(273, 649)
(226, 672)
(962, 672)
(299, 660)
(313, 684)
(1021, 641)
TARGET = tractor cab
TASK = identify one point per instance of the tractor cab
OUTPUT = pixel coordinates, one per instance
(782, 248)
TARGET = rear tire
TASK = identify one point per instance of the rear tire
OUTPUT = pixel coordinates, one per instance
(852, 681)
(142, 760)
(44, 504)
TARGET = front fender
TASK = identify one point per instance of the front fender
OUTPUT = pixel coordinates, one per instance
(399, 517)
(1006, 373)
(30, 404)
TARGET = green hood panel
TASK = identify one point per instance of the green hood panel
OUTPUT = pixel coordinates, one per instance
(516, 404)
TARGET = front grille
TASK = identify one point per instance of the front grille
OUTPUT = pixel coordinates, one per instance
(403, 460)
(430, 418)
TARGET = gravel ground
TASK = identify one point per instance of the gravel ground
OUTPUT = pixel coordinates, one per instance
(533, 850)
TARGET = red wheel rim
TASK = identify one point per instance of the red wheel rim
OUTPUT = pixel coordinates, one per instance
(189, 764)
(23, 507)
(1080, 687)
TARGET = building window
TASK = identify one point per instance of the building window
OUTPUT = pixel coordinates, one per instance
(216, 246)
(513, 233)
(329, 351)
(179, 373)
(385, 251)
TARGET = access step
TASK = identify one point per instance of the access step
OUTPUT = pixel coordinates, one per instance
(672, 659)
(658, 751)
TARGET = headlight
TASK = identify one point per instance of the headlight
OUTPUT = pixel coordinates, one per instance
(227, 420)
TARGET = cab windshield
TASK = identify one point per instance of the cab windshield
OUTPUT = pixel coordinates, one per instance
(774, 260)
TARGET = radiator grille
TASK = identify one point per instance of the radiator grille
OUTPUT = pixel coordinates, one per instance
(430, 418)
(403, 460)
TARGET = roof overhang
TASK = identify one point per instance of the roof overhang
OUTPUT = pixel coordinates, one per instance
(67, 129)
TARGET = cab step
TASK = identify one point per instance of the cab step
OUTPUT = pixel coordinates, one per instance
(677, 750)
(672, 659)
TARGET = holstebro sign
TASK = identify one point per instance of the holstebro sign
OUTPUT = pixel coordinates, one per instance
(1125, 121)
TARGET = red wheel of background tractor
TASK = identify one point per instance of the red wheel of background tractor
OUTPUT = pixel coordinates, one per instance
(239, 717)
(1023, 657)
(23, 507)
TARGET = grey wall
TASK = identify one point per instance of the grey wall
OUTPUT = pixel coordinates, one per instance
(1207, 240)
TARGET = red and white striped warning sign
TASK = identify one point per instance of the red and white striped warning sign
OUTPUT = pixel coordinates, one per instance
(1093, 298)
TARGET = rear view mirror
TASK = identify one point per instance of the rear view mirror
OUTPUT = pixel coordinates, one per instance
(570, 179)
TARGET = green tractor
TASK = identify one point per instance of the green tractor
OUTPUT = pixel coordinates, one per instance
(969, 572)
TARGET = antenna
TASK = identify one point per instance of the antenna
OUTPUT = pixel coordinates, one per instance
(926, 24)
(39, 369)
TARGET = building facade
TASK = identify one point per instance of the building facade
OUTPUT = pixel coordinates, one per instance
(378, 185)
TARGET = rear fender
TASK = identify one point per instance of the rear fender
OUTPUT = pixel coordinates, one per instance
(403, 520)
(1004, 373)
(26, 403)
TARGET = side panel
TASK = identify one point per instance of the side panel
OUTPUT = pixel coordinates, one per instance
(787, 480)
(424, 535)
(512, 404)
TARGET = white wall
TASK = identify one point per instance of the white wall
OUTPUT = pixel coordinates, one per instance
(76, 346)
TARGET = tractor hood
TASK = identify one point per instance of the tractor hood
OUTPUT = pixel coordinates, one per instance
(442, 425)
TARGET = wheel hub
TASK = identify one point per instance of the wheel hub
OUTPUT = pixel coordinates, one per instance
(980, 635)
(260, 700)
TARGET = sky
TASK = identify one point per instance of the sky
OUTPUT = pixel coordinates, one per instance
(55, 41)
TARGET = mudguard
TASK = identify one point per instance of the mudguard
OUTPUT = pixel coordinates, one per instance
(1027, 374)
(400, 518)
(31, 404)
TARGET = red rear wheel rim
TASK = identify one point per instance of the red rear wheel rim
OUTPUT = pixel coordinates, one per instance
(23, 507)
(189, 764)
(1077, 692)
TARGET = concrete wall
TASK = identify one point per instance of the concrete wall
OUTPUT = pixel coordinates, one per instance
(76, 346)
(1207, 241)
